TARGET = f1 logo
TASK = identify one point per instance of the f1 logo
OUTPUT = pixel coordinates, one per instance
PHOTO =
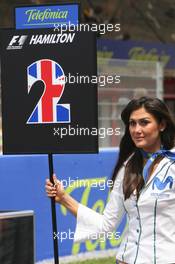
(17, 42)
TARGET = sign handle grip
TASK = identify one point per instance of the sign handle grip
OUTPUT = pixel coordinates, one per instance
(53, 210)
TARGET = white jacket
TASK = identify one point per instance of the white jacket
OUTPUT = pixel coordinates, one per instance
(150, 238)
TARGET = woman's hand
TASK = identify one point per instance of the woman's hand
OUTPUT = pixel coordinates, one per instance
(55, 190)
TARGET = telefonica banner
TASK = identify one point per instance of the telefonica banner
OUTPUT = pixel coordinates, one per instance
(47, 16)
(138, 50)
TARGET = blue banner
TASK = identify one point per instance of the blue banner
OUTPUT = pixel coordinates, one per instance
(25, 177)
(138, 50)
(46, 16)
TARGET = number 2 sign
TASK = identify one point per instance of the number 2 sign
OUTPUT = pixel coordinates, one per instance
(37, 99)
(47, 109)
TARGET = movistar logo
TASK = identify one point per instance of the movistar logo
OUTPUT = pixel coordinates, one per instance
(161, 185)
(37, 15)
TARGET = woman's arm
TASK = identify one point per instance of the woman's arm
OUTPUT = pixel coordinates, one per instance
(70, 203)
(90, 222)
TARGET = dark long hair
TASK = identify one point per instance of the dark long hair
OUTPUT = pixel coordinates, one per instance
(133, 179)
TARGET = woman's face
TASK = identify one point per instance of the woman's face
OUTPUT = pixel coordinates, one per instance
(145, 130)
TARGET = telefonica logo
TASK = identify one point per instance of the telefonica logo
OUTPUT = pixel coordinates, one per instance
(37, 15)
(46, 16)
(161, 185)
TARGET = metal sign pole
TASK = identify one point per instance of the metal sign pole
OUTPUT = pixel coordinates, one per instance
(53, 210)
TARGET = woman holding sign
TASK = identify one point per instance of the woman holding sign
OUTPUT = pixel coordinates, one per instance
(144, 188)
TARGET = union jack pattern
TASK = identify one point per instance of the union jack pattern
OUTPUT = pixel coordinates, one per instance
(48, 110)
